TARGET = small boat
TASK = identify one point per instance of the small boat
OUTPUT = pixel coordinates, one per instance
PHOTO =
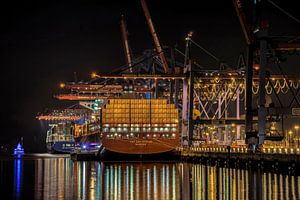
(19, 150)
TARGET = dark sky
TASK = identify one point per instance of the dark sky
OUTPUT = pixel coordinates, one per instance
(44, 42)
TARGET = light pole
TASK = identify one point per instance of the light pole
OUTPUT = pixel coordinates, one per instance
(297, 136)
(290, 137)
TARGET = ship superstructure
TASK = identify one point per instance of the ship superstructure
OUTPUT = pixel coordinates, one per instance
(66, 127)
(60, 138)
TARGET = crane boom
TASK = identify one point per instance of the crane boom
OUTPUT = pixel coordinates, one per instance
(125, 40)
(242, 18)
(155, 36)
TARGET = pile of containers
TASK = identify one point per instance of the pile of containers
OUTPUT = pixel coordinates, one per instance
(140, 116)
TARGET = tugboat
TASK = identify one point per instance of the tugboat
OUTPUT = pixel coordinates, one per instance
(19, 150)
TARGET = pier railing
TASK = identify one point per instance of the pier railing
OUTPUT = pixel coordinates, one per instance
(243, 149)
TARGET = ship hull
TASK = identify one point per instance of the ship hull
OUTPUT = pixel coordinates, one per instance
(140, 146)
(63, 147)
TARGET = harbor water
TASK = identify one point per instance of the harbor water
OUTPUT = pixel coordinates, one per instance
(57, 177)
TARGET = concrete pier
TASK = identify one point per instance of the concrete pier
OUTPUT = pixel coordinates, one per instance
(275, 159)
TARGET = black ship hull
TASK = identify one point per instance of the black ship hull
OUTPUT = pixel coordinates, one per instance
(61, 147)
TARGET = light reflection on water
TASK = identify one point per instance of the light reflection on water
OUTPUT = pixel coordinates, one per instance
(61, 178)
(18, 170)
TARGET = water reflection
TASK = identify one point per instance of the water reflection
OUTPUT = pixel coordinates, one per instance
(61, 178)
(18, 170)
(140, 181)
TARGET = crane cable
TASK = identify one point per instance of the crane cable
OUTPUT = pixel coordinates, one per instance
(206, 51)
(285, 12)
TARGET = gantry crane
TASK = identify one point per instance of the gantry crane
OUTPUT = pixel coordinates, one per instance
(257, 39)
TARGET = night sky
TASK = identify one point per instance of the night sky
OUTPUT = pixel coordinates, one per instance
(44, 42)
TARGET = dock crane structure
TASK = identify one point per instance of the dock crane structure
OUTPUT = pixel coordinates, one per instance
(155, 37)
(255, 30)
(127, 51)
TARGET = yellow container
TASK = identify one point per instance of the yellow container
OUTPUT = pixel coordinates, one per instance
(139, 111)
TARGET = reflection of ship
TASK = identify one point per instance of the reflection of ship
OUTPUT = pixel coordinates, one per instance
(140, 126)
(60, 138)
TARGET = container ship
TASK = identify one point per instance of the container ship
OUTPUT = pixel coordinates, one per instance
(128, 109)
(60, 138)
(140, 126)
(72, 127)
